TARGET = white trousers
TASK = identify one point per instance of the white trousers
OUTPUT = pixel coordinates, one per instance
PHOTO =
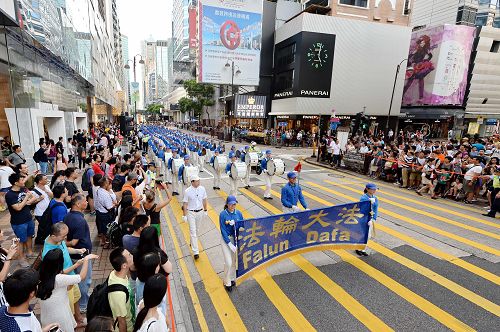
(194, 158)
(246, 180)
(168, 173)
(175, 183)
(217, 176)
(229, 264)
(268, 179)
(193, 219)
(201, 162)
(234, 186)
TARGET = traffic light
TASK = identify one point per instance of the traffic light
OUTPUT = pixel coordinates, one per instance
(355, 123)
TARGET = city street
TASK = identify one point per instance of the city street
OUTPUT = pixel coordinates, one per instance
(434, 265)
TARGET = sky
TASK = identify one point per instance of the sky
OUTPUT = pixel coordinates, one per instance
(142, 19)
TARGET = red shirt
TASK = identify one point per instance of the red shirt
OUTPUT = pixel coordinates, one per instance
(97, 169)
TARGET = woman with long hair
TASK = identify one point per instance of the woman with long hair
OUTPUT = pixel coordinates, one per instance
(61, 163)
(53, 289)
(146, 265)
(153, 209)
(150, 318)
(126, 219)
(148, 242)
(57, 178)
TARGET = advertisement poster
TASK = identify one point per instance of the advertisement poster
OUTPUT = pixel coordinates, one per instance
(230, 33)
(250, 106)
(438, 63)
(134, 91)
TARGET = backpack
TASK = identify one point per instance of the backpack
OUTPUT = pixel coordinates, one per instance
(45, 223)
(98, 304)
(86, 186)
(36, 157)
(115, 235)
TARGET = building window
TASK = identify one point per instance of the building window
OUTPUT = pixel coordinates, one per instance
(356, 3)
(407, 7)
(284, 81)
(495, 46)
(466, 15)
(286, 55)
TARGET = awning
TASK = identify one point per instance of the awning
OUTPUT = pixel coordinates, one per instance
(431, 113)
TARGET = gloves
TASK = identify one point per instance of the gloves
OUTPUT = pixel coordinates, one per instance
(184, 218)
(230, 222)
(205, 213)
(307, 209)
(372, 199)
(232, 247)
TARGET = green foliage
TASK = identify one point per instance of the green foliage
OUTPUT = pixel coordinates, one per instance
(200, 97)
(154, 108)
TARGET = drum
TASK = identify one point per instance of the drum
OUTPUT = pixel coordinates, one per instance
(188, 173)
(176, 164)
(275, 167)
(252, 158)
(210, 154)
(220, 163)
(168, 155)
(239, 170)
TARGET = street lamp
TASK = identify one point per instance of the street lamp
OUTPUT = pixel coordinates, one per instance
(392, 96)
(238, 71)
(141, 61)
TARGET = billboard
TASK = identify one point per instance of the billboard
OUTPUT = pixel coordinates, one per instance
(438, 63)
(134, 92)
(250, 106)
(192, 28)
(230, 32)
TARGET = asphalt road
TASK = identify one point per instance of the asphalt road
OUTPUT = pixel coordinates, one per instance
(434, 265)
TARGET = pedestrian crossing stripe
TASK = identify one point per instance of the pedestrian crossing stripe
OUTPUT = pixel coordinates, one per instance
(185, 272)
(355, 308)
(425, 247)
(429, 308)
(223, 305)
(421, 224)
(425, 213)
(452, 286)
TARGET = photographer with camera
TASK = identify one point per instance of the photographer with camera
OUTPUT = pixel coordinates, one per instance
(152, 208)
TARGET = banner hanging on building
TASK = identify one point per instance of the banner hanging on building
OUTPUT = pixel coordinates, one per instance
(230, 32)
(134, 91)
(249, 106)
(264, 240)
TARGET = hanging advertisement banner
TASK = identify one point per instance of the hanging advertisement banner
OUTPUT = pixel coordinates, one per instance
(134, 91)
(192, 28)
(230, 33)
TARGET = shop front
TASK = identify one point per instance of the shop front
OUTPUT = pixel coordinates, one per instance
(307, 123)
(432, 122)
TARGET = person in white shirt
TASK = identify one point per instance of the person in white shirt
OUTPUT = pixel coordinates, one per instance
(471, 177)
(5, 172)
(43, 196)
(335, 147)
(194, 208)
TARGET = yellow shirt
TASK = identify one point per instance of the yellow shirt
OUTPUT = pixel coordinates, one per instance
(117, 303)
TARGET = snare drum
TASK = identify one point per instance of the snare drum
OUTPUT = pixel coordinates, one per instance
(176, 164)
(188, 173)
(238, 170)
(168, 155)
(275, 167)
(252, 158)
(220, 163)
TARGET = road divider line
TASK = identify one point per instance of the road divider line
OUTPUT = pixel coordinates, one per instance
(429, 214)
(411, 297)
(439, 279)
(221, 301)
(418, 244)
(290, 313)
(185, 272)
(423, 225)
(360, 312)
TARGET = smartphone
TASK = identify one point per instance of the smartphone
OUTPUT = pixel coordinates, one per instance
(158, 182)
(55, 329)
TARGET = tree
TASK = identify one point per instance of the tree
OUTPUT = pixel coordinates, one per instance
(200, 97)
(154, 109)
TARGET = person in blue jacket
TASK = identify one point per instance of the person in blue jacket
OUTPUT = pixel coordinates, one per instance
(227, 219)
(268, 179)
(201, 157)
(174, 181)
(291, 195)
(187, 163)
(217, 172)
(369, 195)
(246, 180)
(233, 180)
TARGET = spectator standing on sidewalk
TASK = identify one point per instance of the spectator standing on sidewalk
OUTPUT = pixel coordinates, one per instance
(5, 172)
(16, 157)
(150, 318)
(121, 305)
(79, 238)
(41, 156)
(18, 201)
(5, 259)
(57, 204)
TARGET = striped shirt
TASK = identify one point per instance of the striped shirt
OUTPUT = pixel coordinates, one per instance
(103, 200)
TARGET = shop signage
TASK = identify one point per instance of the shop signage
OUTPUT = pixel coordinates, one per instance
(491, 122)
(310, 117)
(250, 106)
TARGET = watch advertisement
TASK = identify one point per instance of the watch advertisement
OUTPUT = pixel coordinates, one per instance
(304, 65)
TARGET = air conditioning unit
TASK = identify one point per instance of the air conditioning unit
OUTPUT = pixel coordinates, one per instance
(322, 3)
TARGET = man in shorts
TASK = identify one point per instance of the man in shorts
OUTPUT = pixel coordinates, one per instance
(18, 200)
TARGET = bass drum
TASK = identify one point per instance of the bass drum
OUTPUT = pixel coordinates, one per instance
(188, 173)
(220, 163)
(176, 164)
(238, 170)
(275, 167)
(168, 155)
(252, 158)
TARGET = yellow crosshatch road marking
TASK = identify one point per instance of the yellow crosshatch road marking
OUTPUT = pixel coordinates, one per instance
(185, 273)
(355, 308)
(225, 308)
(418, 244)
(429, 308)
(437, 278)
(278, 298)
(438, 208)
(425, 213)
(424, 226)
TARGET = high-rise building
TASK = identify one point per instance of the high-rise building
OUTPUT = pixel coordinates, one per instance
(126, 72)
(164, 62)
(148, 51)
(180, 17)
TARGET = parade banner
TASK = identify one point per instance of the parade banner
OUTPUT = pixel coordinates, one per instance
(230, 32)
(262, 241)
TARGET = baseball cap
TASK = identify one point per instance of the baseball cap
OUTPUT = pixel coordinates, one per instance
(371, 186)
(195, 178)
(291, 175)
(186, 157)
(268, 151)
(231, 200)
(231, 155)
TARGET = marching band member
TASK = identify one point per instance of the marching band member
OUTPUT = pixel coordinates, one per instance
(187, 163)
(291, 195)
(246, 180)
(164, 164)
(253, 147)
(233, 181)
(173, 177)
(268, 179)
(194, 207)
(369, 195)
(217, 172)
(227, 220)
(201, 157)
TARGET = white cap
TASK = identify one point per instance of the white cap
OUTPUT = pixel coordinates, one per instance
(195, 178)
(253, 143)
